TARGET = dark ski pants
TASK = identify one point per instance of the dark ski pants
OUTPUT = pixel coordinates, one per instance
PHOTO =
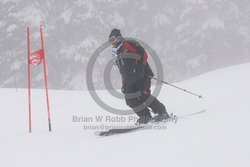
(134, 100)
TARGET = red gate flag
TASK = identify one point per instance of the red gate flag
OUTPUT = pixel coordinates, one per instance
(36, 58)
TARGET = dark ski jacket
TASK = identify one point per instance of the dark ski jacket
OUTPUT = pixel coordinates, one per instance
(132, 63)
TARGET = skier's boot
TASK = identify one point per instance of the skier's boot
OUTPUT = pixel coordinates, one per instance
(143, 120)
(144, 117)
(162, 117)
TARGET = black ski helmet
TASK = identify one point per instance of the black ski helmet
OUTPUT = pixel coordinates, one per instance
(115, 32)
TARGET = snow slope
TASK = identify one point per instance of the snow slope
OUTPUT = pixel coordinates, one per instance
(219, 137)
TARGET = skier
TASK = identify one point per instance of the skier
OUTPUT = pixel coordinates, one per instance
(136, 78)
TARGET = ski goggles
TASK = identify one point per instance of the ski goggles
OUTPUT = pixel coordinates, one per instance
(112, 40)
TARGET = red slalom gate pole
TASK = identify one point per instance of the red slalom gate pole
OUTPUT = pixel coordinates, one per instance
(45, 79)
(28, 58)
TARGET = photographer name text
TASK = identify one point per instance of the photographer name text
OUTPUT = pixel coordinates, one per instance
(79, 119)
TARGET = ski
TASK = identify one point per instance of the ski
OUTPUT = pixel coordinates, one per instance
(191, 114)
(118, 131)
(135, 128)
(172, 119)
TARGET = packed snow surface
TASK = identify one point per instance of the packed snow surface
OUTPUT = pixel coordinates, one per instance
(219, 137)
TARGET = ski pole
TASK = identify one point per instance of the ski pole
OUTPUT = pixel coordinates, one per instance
(175, 86)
